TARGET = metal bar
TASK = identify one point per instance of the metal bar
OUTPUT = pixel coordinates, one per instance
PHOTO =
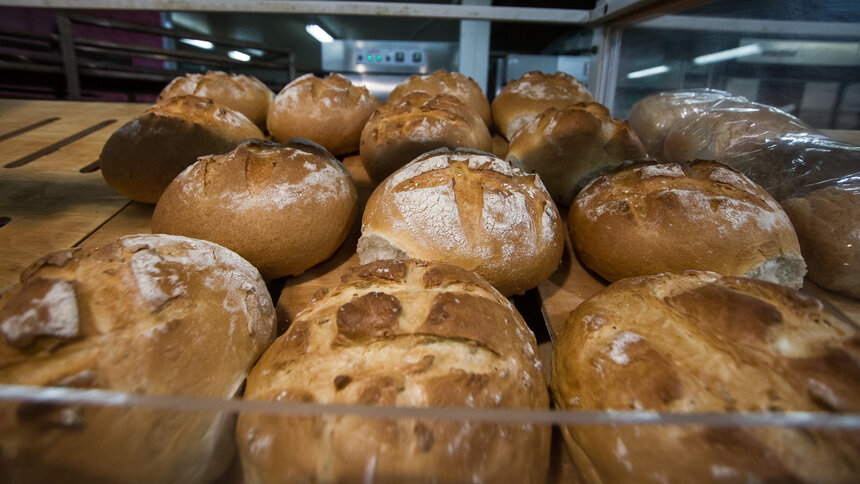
(70, 59)
(475, 47)
(417, 10)
(96, 46)
(782, 27)
(174, 32)
(604, 75)
(16, 66)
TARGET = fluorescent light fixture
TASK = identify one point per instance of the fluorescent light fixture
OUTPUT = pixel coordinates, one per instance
(256, 52)
(724, 55)
(202, 44)
(651, 71)
(318, 33)
(239, 56)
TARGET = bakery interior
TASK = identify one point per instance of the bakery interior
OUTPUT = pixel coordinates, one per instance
(733, 351)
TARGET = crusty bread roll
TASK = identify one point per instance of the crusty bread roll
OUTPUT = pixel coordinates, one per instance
(441, 81)
(827, 222)
(696, 342)
(245, 94)
(283, 207)
(330, 111)
(417, 123)
(653, 116)
(648, 219)
(148, 314)
(469, 209)
(524, 99)
(569, 147)
(143, 156)
(408, 334)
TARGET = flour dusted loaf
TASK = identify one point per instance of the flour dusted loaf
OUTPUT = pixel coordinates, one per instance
(245, 94)
(698, 342)
(143, 156)
(648, 219)
(418, 122)
(283, 207)
(469, 209)
(403, 333)
(147, 314)
(524, 99)
(827, 222)
(441, 81)
(570, 146)
(330, 111)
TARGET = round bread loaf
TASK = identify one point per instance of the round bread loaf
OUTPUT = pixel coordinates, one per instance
(648, 219)
(143, 156)
(469, 209)
(408, 334)
(283, 207)
(826, 222)
(710, 134)
(441, 81)
(524, 99)
(330, 111)
(653, 116)
(696, 342)
(147, 314)
(417, 123)
(571, 146)
(245, 94)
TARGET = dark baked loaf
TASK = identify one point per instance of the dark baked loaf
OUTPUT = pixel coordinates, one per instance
(696, 342)
(147, 314)
(403, 333)
(419, 122)
(143, 156)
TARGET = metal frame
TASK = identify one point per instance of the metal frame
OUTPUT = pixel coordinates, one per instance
(781, 27)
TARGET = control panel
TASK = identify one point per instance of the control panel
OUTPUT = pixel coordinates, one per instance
(391, 57)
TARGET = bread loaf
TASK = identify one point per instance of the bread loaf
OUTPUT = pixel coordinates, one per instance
(441, 81)
(469, 209)
(417, 123)
(648, 219)
(698, 342)
(148, 314)
(827, 221)
(283, 207)
(143, 156)
(330, 111)
(570, 146)
(524, 99)
(408, 334)
(653, 116)
(245, 94)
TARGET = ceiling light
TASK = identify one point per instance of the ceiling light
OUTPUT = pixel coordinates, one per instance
(202, 44)
(651, 71)
(318, 33)
(723, 55)
(239, 56)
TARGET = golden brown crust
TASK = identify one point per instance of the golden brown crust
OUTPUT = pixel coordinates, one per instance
(467, 209)
(826, 221)
(524, 99)
(245, 94)
(143, 156)
(696, 342)
(330, 111)
(150, 314)
(263, 196)
(569, 147)
(648, 219)
(390, 341)
(419, 122)
(441, 81)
